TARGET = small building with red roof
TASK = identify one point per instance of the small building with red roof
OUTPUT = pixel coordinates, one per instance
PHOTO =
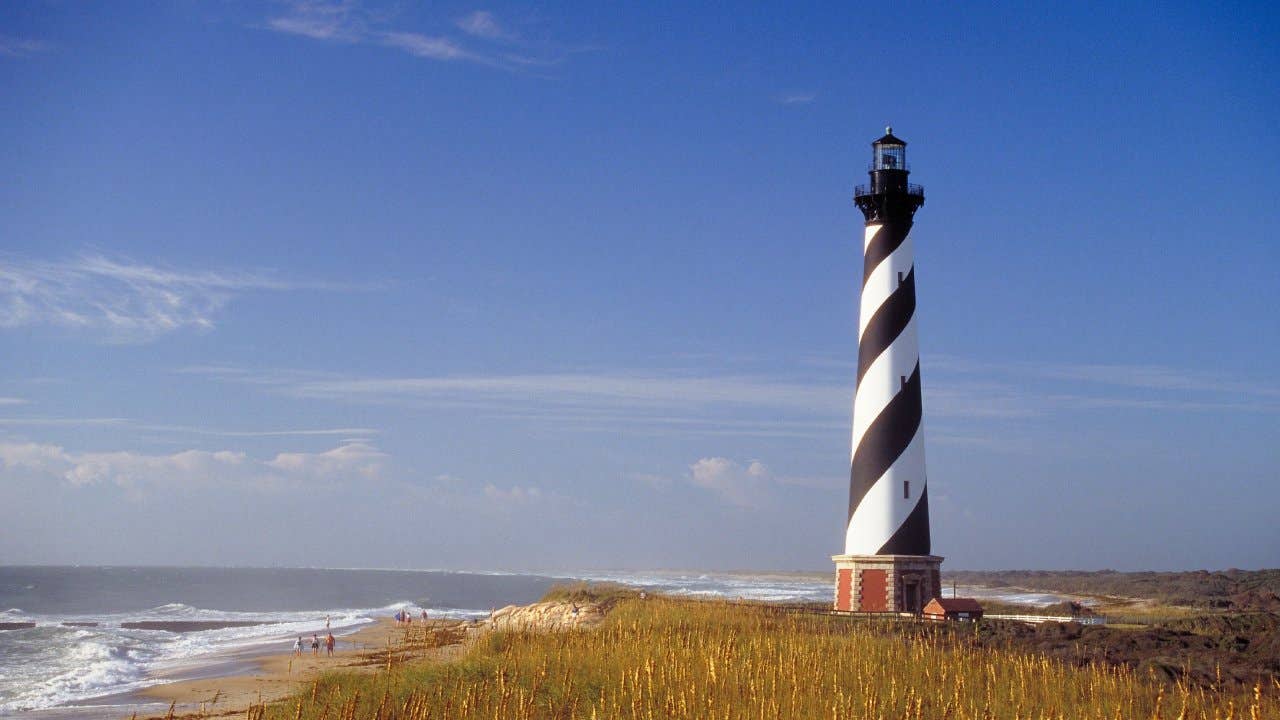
(962, 609)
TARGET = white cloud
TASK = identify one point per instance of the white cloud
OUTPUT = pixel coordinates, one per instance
(749, 485)
(352, 459)
(515, 495)
(32, 456)
(140, 471)
(796, 97)
(744, 486)
(12, 401)
(483, 24)
(135, 470)
(125, 301)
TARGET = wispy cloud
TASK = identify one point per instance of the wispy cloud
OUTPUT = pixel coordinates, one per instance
(12, 401)
(16, 47)
(796, 97)
(355, 434)
(483, 24)
(1157, 377)
(332, 21)
(433, 48)
(579, 390)
(351, 434)
(123, 301)
(62, 422)
(352, 22)
(246, 376)
(659, 423)
(589, 401)
(1077, 385)
(751, 405)
(650, 393)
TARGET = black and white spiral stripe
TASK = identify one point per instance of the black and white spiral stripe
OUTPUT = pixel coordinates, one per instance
(888, 501)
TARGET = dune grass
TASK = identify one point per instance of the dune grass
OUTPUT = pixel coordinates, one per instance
(663, 658)
(603, 593)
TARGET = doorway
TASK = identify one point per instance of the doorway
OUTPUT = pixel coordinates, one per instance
(911, 601)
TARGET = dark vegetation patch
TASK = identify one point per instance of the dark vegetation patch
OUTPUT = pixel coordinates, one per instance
(1202, 651)
(1237, 590)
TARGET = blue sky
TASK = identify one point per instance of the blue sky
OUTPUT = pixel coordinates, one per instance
(500, 286)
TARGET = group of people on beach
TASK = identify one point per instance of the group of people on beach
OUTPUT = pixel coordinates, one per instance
(404, 617)
(329, 644)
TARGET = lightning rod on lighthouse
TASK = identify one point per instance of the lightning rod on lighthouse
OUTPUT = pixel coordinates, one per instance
(886, 565)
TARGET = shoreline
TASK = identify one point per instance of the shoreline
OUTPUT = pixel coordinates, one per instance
(260, 675)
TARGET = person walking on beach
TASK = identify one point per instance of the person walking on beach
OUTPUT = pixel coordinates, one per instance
(424, 617)
(315, 645)
(297, 646)
(328, 644)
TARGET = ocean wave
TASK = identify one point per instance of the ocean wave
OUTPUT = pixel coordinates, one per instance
(85, 664)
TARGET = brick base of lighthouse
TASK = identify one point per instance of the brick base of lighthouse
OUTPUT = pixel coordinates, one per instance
(887, 583)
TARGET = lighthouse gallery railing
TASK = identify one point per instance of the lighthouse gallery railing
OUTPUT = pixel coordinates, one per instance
(865, 189)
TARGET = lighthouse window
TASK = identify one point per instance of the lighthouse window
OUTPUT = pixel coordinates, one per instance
(906, 489)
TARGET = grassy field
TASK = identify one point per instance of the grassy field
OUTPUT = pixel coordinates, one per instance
(663, 658)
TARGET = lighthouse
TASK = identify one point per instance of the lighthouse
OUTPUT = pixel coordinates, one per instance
(886, 565)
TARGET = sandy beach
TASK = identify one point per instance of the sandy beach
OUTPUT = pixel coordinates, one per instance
(267, 678)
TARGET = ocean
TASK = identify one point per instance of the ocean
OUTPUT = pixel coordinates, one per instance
(83, 638)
